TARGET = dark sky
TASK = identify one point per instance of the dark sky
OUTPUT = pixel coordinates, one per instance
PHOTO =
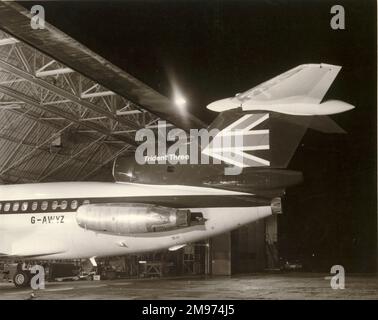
(214, 49)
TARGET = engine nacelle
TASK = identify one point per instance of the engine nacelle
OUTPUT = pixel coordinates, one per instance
(136, 218)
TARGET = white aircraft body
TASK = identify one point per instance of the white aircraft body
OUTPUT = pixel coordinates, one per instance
(41, 221)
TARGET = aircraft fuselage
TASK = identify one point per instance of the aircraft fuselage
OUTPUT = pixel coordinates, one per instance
(39, 221)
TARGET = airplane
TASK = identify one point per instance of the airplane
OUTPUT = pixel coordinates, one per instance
(162, 206)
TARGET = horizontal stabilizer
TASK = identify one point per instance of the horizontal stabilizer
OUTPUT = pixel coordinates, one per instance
(298, 91)
(306, 83)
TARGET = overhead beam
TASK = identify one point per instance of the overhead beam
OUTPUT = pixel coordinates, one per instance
(65, 94)
(6, 41)
(55, 102)
(20, 96)
(10, 107)
(46, 65)
(128, 112)
(97, 94)
(12, 81)
(54, 72)
(22, 58)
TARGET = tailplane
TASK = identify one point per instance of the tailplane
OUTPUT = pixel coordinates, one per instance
(264, 126)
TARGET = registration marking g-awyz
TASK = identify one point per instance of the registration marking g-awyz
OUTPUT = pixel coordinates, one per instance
(56, 219)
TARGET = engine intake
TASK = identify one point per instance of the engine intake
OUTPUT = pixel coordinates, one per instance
(126, 219)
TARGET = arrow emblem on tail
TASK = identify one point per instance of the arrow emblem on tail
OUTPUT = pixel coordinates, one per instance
(230, 144)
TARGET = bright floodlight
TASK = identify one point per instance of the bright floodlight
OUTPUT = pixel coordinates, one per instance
(177, 96)
(180, 101)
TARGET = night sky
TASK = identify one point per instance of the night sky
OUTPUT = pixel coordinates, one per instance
(214, 49)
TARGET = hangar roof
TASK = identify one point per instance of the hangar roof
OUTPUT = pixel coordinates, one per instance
(58, 124)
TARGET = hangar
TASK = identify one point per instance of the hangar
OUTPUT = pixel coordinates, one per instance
(66, 114)
(66, 136)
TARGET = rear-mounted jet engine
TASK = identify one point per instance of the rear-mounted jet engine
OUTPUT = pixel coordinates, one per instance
(136, 218)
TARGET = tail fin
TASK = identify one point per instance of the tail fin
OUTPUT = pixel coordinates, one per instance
(269, 138)
(273, 117)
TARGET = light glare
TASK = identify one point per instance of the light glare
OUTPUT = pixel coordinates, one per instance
(180, 101)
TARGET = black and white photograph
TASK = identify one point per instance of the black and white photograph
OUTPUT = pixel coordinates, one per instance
(191, 150)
